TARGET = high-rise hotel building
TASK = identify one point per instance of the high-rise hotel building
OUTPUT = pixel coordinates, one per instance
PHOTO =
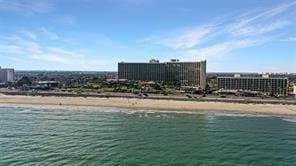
(184, 73)
(264, 84)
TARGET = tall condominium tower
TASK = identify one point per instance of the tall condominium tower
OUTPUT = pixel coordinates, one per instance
(6, 75)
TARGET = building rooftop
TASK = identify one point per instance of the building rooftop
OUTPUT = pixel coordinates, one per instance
(263, 77)
(156, 61)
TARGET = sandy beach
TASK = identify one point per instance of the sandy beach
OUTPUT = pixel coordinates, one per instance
(151, 104)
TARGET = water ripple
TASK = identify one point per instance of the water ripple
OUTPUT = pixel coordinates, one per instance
(76, 136)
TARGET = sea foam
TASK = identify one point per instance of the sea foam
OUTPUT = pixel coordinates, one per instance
(293, 120)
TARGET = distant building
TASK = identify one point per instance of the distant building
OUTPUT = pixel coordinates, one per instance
(184, 73)
(264, 84)
(6, 75)
(50, 84)
(292, 89)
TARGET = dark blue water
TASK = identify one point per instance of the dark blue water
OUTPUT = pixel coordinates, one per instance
(110, 136)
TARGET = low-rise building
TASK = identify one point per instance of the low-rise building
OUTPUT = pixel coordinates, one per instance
(50, 84)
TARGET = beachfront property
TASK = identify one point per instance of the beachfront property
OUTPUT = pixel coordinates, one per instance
(174, 71)
(292, 89)
(6, 75)
(265, 84)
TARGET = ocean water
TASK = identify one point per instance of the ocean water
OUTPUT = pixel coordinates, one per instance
(112, 136)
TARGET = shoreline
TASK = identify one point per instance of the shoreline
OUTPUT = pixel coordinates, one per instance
(151, 104)
(154, 97)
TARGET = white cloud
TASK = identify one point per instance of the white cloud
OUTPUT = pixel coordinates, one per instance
(227, 34)
(10, 49)
(69, 20)
(50, 35)
(129, 3)
(32, 47)
(253, 30)
(261, 22)
(248, 18)
(66, 20)
(26, 7)
(183, 38)
(289, 39)
(29, 34)
(221, 49)
(55, 54)
(50, 57)
(17, 48)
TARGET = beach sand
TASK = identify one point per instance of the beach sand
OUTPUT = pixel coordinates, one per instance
(151, 104)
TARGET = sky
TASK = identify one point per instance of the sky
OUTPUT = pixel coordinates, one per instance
(232, 35)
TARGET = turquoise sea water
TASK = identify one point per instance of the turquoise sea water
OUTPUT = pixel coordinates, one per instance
(112, 136)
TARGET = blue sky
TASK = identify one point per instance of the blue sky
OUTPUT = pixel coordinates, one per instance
(232, 35)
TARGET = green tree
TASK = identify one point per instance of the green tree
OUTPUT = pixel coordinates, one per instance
(24, 81)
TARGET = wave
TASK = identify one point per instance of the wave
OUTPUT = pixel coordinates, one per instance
(239, 114)
(26, 111)
(293, 120)
(28, 107)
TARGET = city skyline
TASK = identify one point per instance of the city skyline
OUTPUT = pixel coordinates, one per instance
(232, 36)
